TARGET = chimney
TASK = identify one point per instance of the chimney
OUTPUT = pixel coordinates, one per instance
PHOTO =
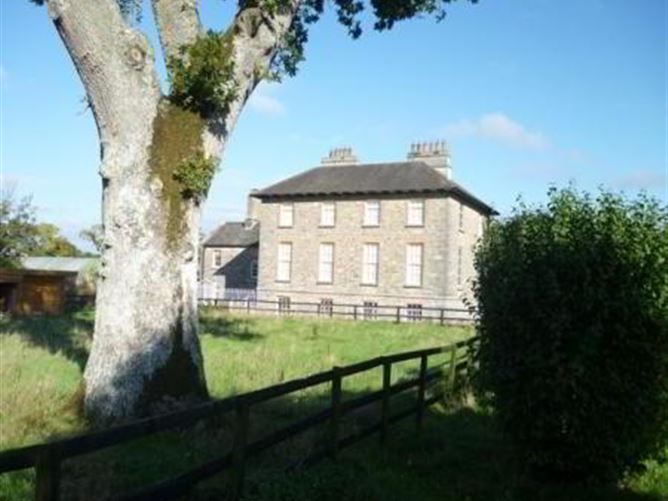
(252, 204)
(340, 156)
(434, 154)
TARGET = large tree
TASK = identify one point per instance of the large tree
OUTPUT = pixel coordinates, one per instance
(159, 153)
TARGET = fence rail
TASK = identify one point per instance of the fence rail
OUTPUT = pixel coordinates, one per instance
(395, 313)
(46, 458)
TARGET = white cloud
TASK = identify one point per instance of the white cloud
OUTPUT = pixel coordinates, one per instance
(262, 101)
(497, 127)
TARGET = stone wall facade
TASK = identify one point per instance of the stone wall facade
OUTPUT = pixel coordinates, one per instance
(444, 235)
(235, 270)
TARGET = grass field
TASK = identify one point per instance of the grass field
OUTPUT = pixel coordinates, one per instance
(459, 456)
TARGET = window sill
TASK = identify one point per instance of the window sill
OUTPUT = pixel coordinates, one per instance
(371, 226)
(413, 286)
(285, 227)
(369, 285)
(414, 226)
(282, 281)
(325, 283)
(326, 226)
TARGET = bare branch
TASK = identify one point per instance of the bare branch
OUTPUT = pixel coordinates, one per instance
(178, 24)
(115, 64)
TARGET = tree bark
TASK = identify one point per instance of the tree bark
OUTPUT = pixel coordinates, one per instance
(145, 353)
(145, 356)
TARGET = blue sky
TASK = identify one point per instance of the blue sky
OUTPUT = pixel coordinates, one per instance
(527, 93)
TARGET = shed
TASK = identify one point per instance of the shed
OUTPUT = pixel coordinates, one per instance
(26, 292)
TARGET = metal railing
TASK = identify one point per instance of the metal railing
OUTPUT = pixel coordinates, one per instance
(393, 313)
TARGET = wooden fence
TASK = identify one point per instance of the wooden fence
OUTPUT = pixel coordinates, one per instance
(47, 458)
(393, 313)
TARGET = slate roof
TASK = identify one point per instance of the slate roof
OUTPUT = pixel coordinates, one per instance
(234, 234)
(370, 179)
(66, 264)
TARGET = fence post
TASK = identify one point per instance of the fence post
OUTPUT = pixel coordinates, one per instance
(453, 368)
(336, 412)
(239, 449)
(442, 316)
(385, 409)
(354, 312)
(47, 471)
(398, 314)
(247, 305)
(422, 388)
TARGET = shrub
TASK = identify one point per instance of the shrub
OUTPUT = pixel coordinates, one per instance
(573, 302)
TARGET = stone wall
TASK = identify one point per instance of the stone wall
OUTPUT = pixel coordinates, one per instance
(235, 271)
(441, 238)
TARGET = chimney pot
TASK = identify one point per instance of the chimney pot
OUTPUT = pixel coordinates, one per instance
(340, 156)
(434, 153)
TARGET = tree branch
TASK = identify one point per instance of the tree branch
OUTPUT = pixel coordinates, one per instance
(256, 35)
(115, 64)
(178, 24)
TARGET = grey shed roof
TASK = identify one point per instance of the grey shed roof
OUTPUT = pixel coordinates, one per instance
(369, 179)
(47, 263)
(234, 234)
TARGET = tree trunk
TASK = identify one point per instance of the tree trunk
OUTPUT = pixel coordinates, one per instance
(145, 356)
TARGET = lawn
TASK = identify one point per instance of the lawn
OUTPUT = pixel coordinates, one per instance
(42, 359)
(459, 455)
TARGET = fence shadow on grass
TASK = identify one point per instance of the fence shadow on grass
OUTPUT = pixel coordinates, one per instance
(459, 455)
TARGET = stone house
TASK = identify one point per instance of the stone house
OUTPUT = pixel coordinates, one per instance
(229, 261)
(372, 235)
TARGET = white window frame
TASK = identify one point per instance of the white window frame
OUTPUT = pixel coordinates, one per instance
(284, 262)
(286, 215)
(217, 258)
(415, 212)
(414, 264)
(370, 260)
(326, 263)
(371, 213)
(327, 214)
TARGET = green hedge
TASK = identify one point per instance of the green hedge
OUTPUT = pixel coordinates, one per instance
(573, 321)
